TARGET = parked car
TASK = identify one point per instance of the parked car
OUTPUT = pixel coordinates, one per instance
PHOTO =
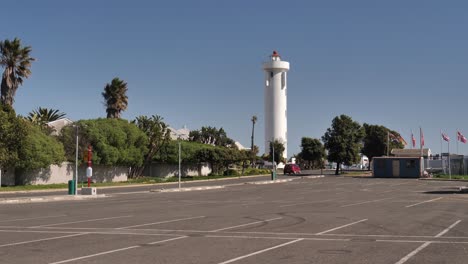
(292, 169)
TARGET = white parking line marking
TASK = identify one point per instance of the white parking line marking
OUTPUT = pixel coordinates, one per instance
(414, 252)
(32, 218)
(428, 201)
(343, 226)
(162, 222)
(261, 251)
(283, 238)
(83, 221)
(448, 229)
(115, 250)
(287, 205)
(373, 201)
(253, 223)
(39, 240)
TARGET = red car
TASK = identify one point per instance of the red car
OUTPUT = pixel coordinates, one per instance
(292, 169)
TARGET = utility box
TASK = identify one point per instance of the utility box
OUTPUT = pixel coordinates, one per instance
(88, 191)
(71, 187)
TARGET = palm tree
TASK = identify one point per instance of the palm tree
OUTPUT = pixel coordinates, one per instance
(42, 116)
(17, 62)
(254, 120)
(115, 96)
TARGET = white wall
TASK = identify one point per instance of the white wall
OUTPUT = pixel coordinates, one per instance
(65, 172)
(169, 170)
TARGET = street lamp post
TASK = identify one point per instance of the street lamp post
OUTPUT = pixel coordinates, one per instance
(179, 164)
(76, 162)
(273, 171)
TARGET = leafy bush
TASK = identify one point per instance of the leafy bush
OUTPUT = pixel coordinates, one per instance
(231, 172)
(38, 150)
(254, 171)
(114, 141)
(12, 134)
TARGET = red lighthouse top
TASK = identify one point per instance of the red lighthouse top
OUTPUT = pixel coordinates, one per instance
(275, 54)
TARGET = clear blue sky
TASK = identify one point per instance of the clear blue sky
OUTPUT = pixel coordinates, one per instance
(401, 64)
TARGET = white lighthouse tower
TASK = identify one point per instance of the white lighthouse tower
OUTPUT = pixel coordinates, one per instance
(275, 101)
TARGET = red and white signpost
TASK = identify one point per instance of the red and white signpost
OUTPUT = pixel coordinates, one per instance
(89, 170)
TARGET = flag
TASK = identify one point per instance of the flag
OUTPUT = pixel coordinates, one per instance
(393, 138)
(445, 137)
(422, 137)
(461, 137)
(413, 139)
(403, 141)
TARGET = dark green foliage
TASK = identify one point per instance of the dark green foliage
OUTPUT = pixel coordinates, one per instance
(343, 140)
(12, 134)
(211, 136)
(376, 141)
(312, 152)
(38, 150)
(279, 149)
(220, 158)
(114, 141)
(170, 152)
(231, 172)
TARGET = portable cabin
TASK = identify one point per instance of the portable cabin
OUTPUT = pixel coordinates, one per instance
(397, 167)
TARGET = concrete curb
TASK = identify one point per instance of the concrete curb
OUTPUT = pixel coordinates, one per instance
(137, 185)
(270, 182)
(36, 199)
(313, 177)
(202, 188)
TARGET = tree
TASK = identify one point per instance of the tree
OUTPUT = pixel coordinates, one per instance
(37, 151)
(17, 61)
(42, 116)
(158, 134)
(253, 155)
(211, 136)
(375, 141)
(278, 148)
(312, 152)
(115, 96)
(115, 142)
(12, 134)
(343, 141)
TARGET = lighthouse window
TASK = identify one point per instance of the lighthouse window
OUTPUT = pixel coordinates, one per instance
(267, 83)
(283, 80)
(271, 74)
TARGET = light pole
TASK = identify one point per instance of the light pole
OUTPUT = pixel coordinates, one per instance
(273, 172)
(179, 162)
(76, 162)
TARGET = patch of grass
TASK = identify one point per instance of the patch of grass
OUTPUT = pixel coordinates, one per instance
(356, 173)
(446, 176)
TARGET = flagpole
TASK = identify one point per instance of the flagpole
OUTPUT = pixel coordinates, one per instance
(448, 149)
(421, 152)
(388, 143)
(457, 141)
(441, 144)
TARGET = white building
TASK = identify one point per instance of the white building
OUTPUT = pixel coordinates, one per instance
(275, 101)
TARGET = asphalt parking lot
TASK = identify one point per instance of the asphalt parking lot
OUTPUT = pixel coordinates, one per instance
(321, 220)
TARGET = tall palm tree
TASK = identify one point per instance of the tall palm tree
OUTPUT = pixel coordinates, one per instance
(42, 116)
(254, 120)
(17, 62)
(115, 96)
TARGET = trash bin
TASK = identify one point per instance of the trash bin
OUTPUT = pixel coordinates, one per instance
(71, 187)
(273, 175)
